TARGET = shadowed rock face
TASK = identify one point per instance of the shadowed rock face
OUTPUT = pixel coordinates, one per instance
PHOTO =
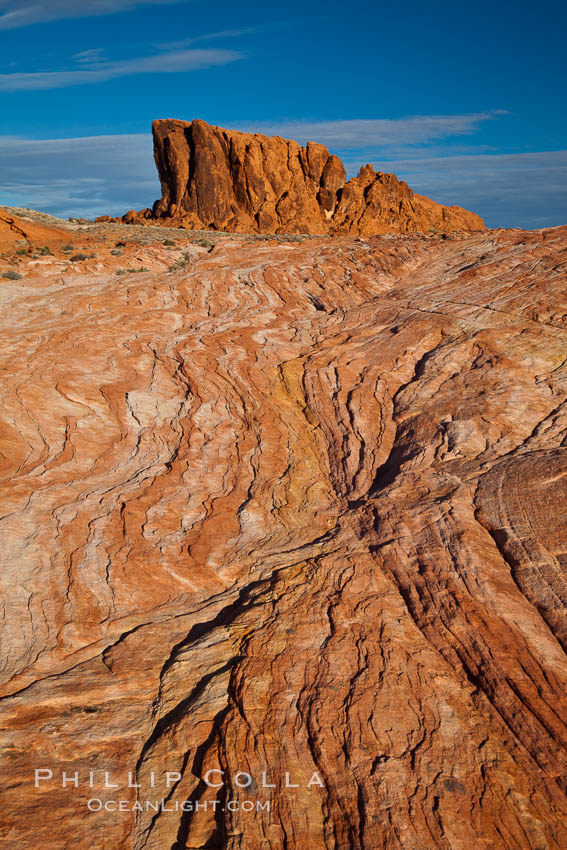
(242, 182)
(294, 508)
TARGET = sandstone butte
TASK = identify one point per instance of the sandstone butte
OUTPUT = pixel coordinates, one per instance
(286, 507)
(219, 179)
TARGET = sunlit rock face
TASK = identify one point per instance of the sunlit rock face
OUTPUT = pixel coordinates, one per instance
(219, 179)
(296, 513)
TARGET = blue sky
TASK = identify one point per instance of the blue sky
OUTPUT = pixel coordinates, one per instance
(464, 102)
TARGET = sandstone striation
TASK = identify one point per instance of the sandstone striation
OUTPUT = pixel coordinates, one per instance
(251, 183)
(288, 509)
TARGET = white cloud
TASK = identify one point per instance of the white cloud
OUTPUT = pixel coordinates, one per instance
(508, 190)
(360, 133)
(95, 71)
(79, 177)
(22, 13)
(112, 174)
(87, 56)
(234, 33)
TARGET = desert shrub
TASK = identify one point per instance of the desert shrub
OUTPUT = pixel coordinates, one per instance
(117, 252)
(181, 263)
(132, 271)
(21, 252)
(12, 275)
(77, 258)
(45, 251)
(169, 243)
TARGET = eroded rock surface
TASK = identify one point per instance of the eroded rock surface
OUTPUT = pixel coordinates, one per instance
(293, 508)
(243, 182)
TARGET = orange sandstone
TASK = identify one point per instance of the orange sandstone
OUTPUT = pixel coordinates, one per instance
(292, 509)
(219, 179)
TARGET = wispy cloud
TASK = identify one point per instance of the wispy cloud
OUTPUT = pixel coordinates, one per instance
(22, 13)
(360, 133)
(95, 71)
(87, 56)
(508, 190)
(233, 33)
(111, 174)
(86, 177)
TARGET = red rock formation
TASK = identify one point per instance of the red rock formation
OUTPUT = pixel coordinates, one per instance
(15, 230)
(250, 183)
(292, 509)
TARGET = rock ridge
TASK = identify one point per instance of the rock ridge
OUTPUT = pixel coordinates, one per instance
(218, 179)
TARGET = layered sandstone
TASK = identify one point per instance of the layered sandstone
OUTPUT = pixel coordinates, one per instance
(251, 183)
(17, 231)
(288, 509)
